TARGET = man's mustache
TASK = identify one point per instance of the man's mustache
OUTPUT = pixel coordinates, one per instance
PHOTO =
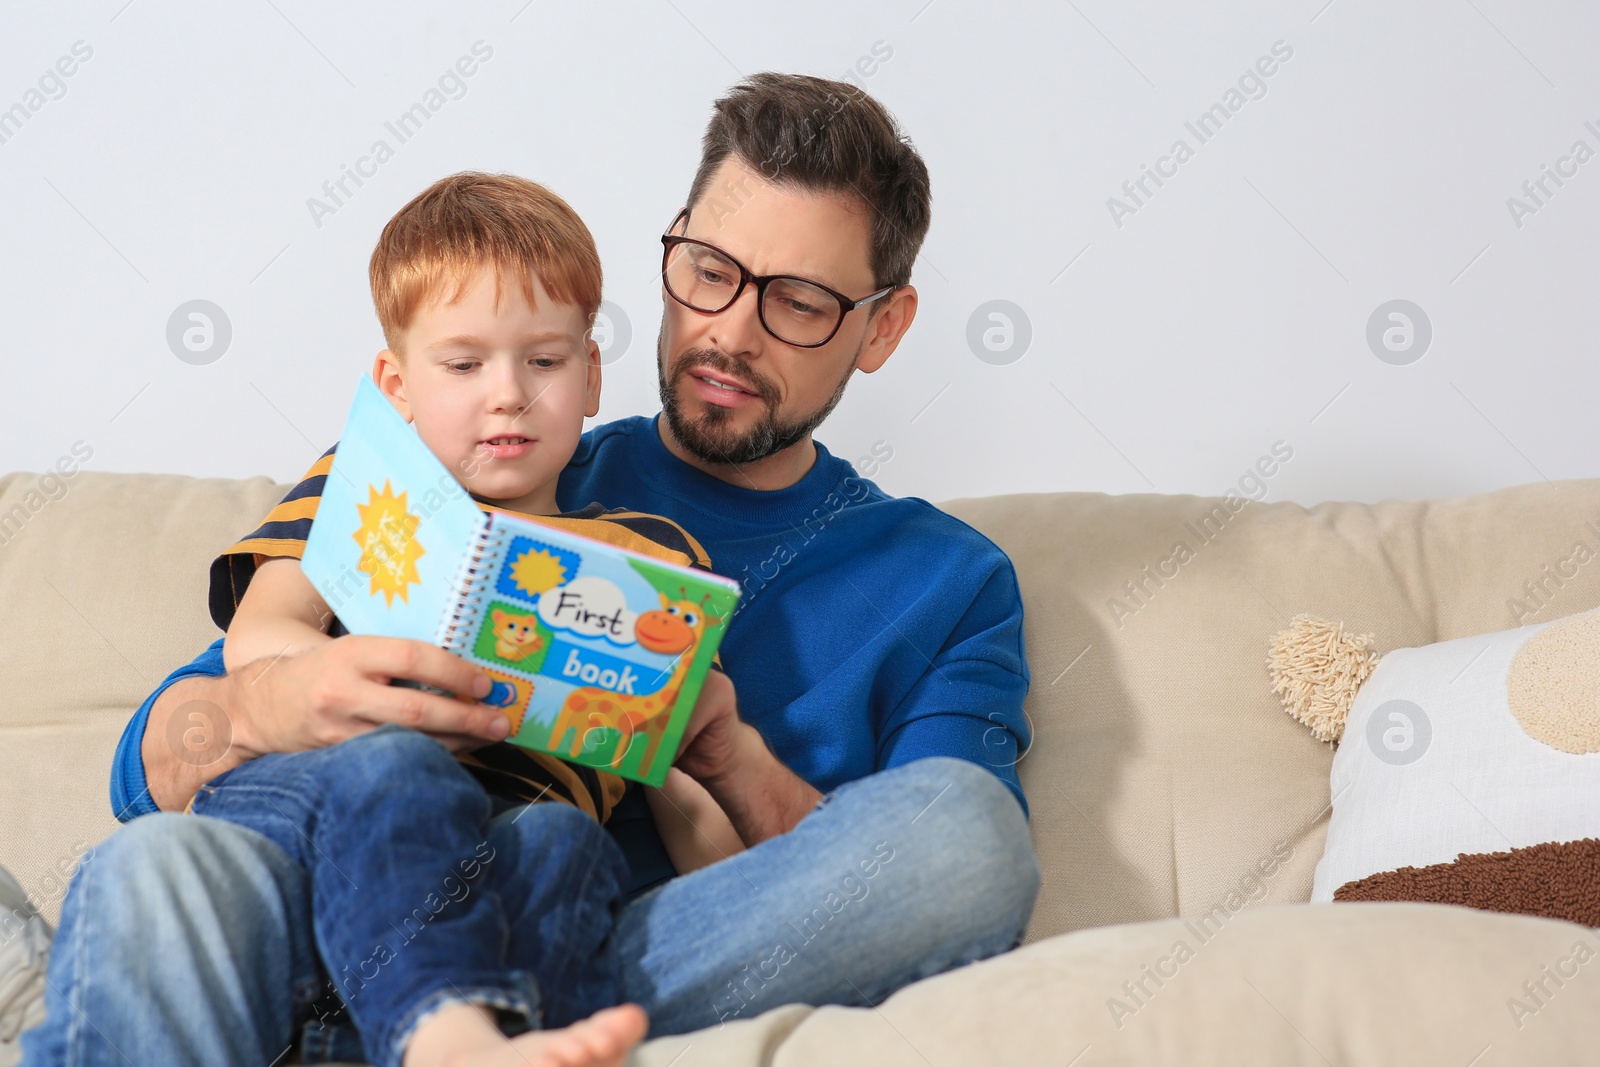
(711, 359)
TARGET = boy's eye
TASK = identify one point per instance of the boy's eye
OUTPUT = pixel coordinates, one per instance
(461, 366)
(545, 362)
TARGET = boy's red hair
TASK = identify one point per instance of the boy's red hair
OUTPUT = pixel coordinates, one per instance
(469, 220)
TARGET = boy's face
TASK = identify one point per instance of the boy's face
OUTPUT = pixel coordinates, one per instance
(498, 393)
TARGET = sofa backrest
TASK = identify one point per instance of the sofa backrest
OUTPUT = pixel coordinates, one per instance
(103, 581)
(1163, 769)
(1164, 774)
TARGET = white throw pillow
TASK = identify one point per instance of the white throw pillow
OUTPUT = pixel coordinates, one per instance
(1442, 752)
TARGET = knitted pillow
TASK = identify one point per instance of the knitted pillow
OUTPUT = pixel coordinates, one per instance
(1469, 771)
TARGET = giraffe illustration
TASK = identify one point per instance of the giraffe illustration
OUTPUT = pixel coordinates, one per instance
(674, 629)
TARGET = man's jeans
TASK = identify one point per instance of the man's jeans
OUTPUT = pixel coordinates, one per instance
(393, 832)
(187, 940)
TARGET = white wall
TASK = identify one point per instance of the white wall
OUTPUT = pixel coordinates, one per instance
(1170, 347)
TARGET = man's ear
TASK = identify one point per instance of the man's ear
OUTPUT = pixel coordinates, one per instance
(887, 327)
(591, 381)
(390, 382)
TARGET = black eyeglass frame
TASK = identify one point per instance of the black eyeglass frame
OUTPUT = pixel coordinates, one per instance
(670, 240)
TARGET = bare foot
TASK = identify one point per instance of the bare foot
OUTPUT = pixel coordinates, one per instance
(461, 1035)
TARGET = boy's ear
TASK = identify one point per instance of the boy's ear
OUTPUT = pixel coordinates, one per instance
(591, 382)
(387, 377)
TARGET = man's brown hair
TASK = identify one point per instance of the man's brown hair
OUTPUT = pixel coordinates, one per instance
(825, 136)
(469, 220)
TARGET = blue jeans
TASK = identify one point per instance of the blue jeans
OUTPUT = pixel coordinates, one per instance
(891, 878)
(393, 833)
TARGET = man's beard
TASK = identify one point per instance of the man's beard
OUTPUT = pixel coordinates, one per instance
(711, 437)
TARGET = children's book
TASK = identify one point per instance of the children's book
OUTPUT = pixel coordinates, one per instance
(597, 652)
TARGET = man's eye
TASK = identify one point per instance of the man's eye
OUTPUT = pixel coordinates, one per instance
(800, 307)
(711, 277)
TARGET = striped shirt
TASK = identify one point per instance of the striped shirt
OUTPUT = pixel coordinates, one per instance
(505, 770)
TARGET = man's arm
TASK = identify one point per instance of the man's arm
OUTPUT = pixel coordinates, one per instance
(969, 702)
(201, 722)
(188, 739)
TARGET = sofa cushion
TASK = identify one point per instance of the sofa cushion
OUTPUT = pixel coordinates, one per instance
(103, 578)
(1164, 775)
(1309, 985)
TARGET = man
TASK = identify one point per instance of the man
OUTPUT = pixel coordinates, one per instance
(868, 770)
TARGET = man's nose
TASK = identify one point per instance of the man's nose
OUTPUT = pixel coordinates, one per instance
(737, 329)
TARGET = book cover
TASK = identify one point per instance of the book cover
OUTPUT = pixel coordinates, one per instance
(597, 653)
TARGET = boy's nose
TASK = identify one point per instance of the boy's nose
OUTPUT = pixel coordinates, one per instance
(509, 395)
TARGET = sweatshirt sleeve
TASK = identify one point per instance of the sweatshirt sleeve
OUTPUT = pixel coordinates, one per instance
(968, 704)
(130, 794)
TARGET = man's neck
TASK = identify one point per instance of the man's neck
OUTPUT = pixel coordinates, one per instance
(777, 471)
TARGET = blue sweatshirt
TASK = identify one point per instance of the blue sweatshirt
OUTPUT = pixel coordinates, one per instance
(872, 630)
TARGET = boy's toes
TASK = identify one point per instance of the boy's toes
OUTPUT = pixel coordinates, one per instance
(602, 1040)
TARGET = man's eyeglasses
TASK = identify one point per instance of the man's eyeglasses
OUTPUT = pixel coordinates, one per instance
(796, 311)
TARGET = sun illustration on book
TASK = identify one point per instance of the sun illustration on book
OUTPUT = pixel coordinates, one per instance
(389, 548)
(537, 570)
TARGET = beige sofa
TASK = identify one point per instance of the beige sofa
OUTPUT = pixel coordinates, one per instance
(1163, 772)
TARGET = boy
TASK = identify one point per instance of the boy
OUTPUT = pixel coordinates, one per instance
(486, 287)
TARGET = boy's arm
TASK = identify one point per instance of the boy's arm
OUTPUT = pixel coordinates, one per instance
(693, 827)
(729, 758)
(280, 614)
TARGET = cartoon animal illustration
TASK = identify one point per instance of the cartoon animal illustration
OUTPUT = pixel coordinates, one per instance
(674, 629)
(515, 635)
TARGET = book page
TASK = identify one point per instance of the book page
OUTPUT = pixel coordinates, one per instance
(386, 546)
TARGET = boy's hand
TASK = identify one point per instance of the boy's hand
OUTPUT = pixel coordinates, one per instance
(341, 688)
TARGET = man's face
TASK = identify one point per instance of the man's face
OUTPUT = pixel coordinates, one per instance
(781, 393)
(498, 392)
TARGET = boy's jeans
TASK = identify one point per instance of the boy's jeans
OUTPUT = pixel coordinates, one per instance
(392, 831)
(187, 940)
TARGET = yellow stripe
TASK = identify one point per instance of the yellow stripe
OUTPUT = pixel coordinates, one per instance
(321, 466)
(611, 789)
(269, 546)
(290, 510)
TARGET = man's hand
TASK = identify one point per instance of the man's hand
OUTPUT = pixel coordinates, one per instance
(761, 796)
(710, 744)
(341, 688)
(199, 727)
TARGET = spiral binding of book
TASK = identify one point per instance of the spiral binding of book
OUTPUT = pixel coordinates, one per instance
(472, 582)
